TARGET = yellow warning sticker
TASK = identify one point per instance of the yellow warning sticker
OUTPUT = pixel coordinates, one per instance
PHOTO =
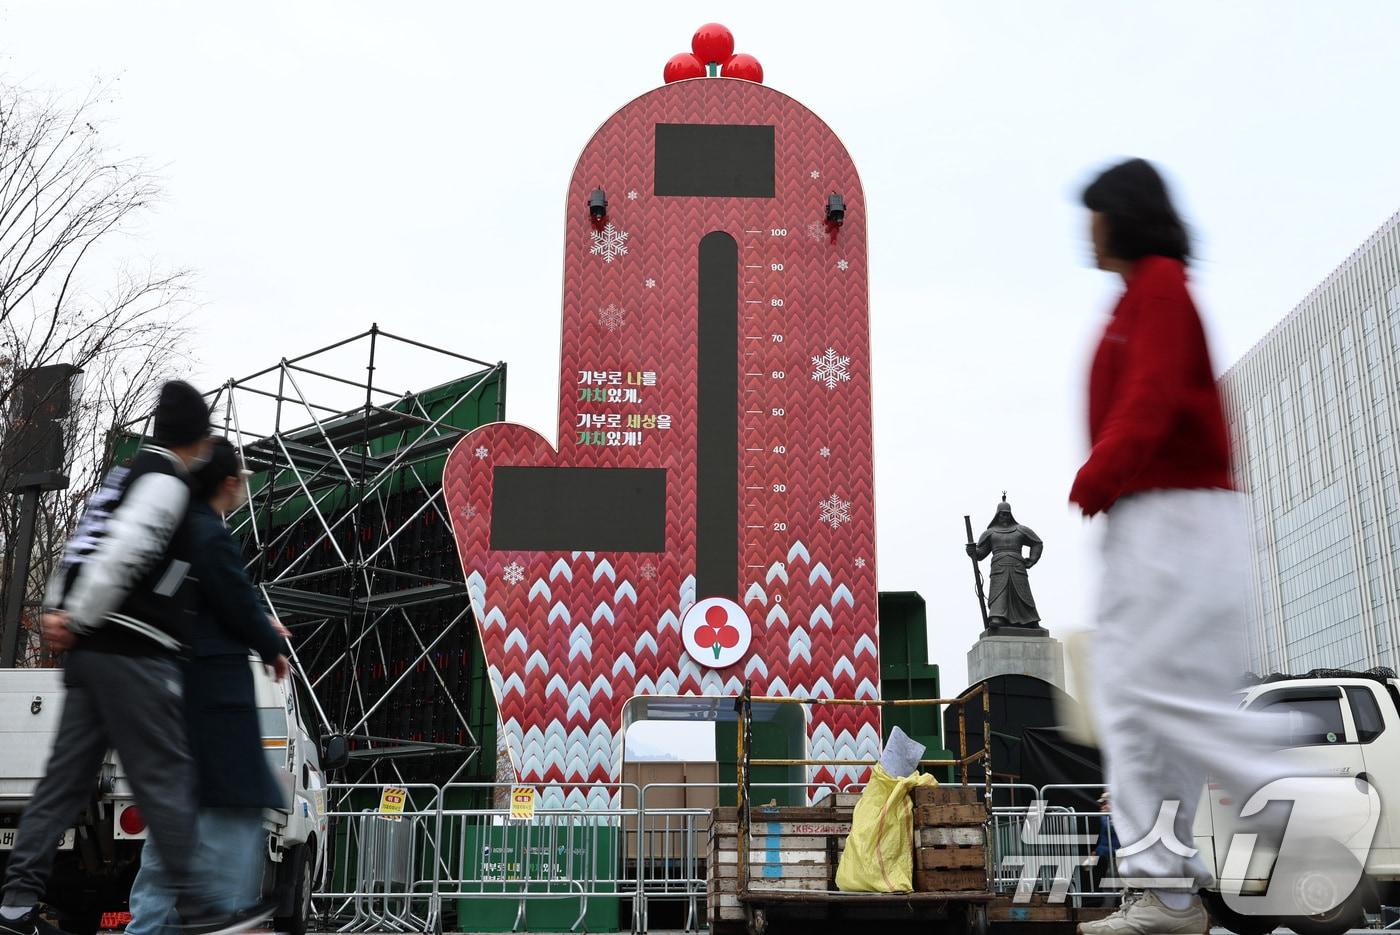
(391, 801)
(522, 803)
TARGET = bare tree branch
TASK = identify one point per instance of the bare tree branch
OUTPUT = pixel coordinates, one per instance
(63, 198)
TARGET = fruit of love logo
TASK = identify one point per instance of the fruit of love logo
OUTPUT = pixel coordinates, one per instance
(716, 632)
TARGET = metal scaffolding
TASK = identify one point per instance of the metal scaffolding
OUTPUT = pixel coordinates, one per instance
(344, 474)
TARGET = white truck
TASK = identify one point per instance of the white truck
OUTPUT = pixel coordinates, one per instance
(1344, 740)
(99, 856)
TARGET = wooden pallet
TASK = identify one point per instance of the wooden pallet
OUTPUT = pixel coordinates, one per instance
(927, 816)
(791, 852)
(945, 795)
(957, 836)
(950, 858)
(930, 881)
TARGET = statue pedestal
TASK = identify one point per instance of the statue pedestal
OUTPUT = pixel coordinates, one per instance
(1041, 657)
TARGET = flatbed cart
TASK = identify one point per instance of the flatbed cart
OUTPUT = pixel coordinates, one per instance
(964, 908)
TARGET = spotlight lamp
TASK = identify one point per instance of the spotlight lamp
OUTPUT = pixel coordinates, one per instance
(835, 209)
(598, 204)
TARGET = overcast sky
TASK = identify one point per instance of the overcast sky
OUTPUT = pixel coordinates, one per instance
(332, 164)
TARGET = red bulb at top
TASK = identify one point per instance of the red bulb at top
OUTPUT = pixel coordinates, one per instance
(743, 66)
(712, 43)
(682, 65)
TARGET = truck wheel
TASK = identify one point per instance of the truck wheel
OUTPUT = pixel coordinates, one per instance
(303, 859)
(1237, 922)
(1320, 882)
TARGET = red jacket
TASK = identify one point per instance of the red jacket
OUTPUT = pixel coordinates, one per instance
(1155, 421)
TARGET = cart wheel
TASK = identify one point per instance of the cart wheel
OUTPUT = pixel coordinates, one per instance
(757, 921)
(976, 919)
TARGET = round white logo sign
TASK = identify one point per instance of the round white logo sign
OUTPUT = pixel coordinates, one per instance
(716, 632)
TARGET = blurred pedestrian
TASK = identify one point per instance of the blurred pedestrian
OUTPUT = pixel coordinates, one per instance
(233, 780)
(1172, 607)
(117, 605)
(1106, 845)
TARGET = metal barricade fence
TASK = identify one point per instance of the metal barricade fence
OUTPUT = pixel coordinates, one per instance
(1043, 848)
(672, 852)
(448, 848)
(576, 852)
(379, 872)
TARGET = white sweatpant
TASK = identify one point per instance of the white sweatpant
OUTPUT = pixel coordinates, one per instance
(1166, 658)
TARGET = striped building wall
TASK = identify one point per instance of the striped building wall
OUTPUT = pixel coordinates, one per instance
(1314, 410)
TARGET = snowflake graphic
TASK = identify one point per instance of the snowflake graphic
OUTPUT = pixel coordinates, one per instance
(612, 317)
(632, 195)
(816, 230)
(835, 511)
(513, 573)
(825, 452)
(648, 571)
(860, 563)
(481, 453)
(609, 243)
(842, 265)
(467, 512)
(816, 173)
(831, 369)
(651, 283)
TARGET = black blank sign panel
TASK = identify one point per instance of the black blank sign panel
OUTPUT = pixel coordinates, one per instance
(714, 160)
(562, 509)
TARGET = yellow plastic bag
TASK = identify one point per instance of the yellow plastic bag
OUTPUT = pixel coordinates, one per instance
(879, 854)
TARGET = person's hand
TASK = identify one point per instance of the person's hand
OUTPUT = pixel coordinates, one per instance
(280, 668)
(55, 629)
(277, 625)
(971, 550)
(1088, 494)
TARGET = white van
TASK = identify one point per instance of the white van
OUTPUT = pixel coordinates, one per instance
(99, 856)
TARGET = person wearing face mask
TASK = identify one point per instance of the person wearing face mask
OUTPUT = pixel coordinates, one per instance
(117, 605)
(233, 780)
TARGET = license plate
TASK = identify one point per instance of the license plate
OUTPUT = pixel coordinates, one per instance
(8, 836)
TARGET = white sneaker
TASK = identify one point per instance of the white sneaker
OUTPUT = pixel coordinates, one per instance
(1143, 914)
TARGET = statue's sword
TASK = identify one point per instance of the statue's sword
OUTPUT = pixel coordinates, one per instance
(977, 573)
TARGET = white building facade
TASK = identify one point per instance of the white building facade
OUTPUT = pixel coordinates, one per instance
(1314, 411)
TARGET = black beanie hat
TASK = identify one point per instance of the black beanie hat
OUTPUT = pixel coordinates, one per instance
(182, 417)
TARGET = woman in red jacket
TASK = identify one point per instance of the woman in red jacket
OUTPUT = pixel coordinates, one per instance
(1167, 651)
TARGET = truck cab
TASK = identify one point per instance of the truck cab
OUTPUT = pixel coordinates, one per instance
(1337, 729)
(98, 857)
(291, 743)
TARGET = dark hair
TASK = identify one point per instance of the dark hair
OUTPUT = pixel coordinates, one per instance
(223, 463)
(1141, 219)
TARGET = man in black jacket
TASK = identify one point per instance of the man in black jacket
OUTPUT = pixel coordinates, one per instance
(234, 781)
(117, 602)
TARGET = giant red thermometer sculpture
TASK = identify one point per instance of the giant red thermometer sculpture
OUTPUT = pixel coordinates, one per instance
(708, 515)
